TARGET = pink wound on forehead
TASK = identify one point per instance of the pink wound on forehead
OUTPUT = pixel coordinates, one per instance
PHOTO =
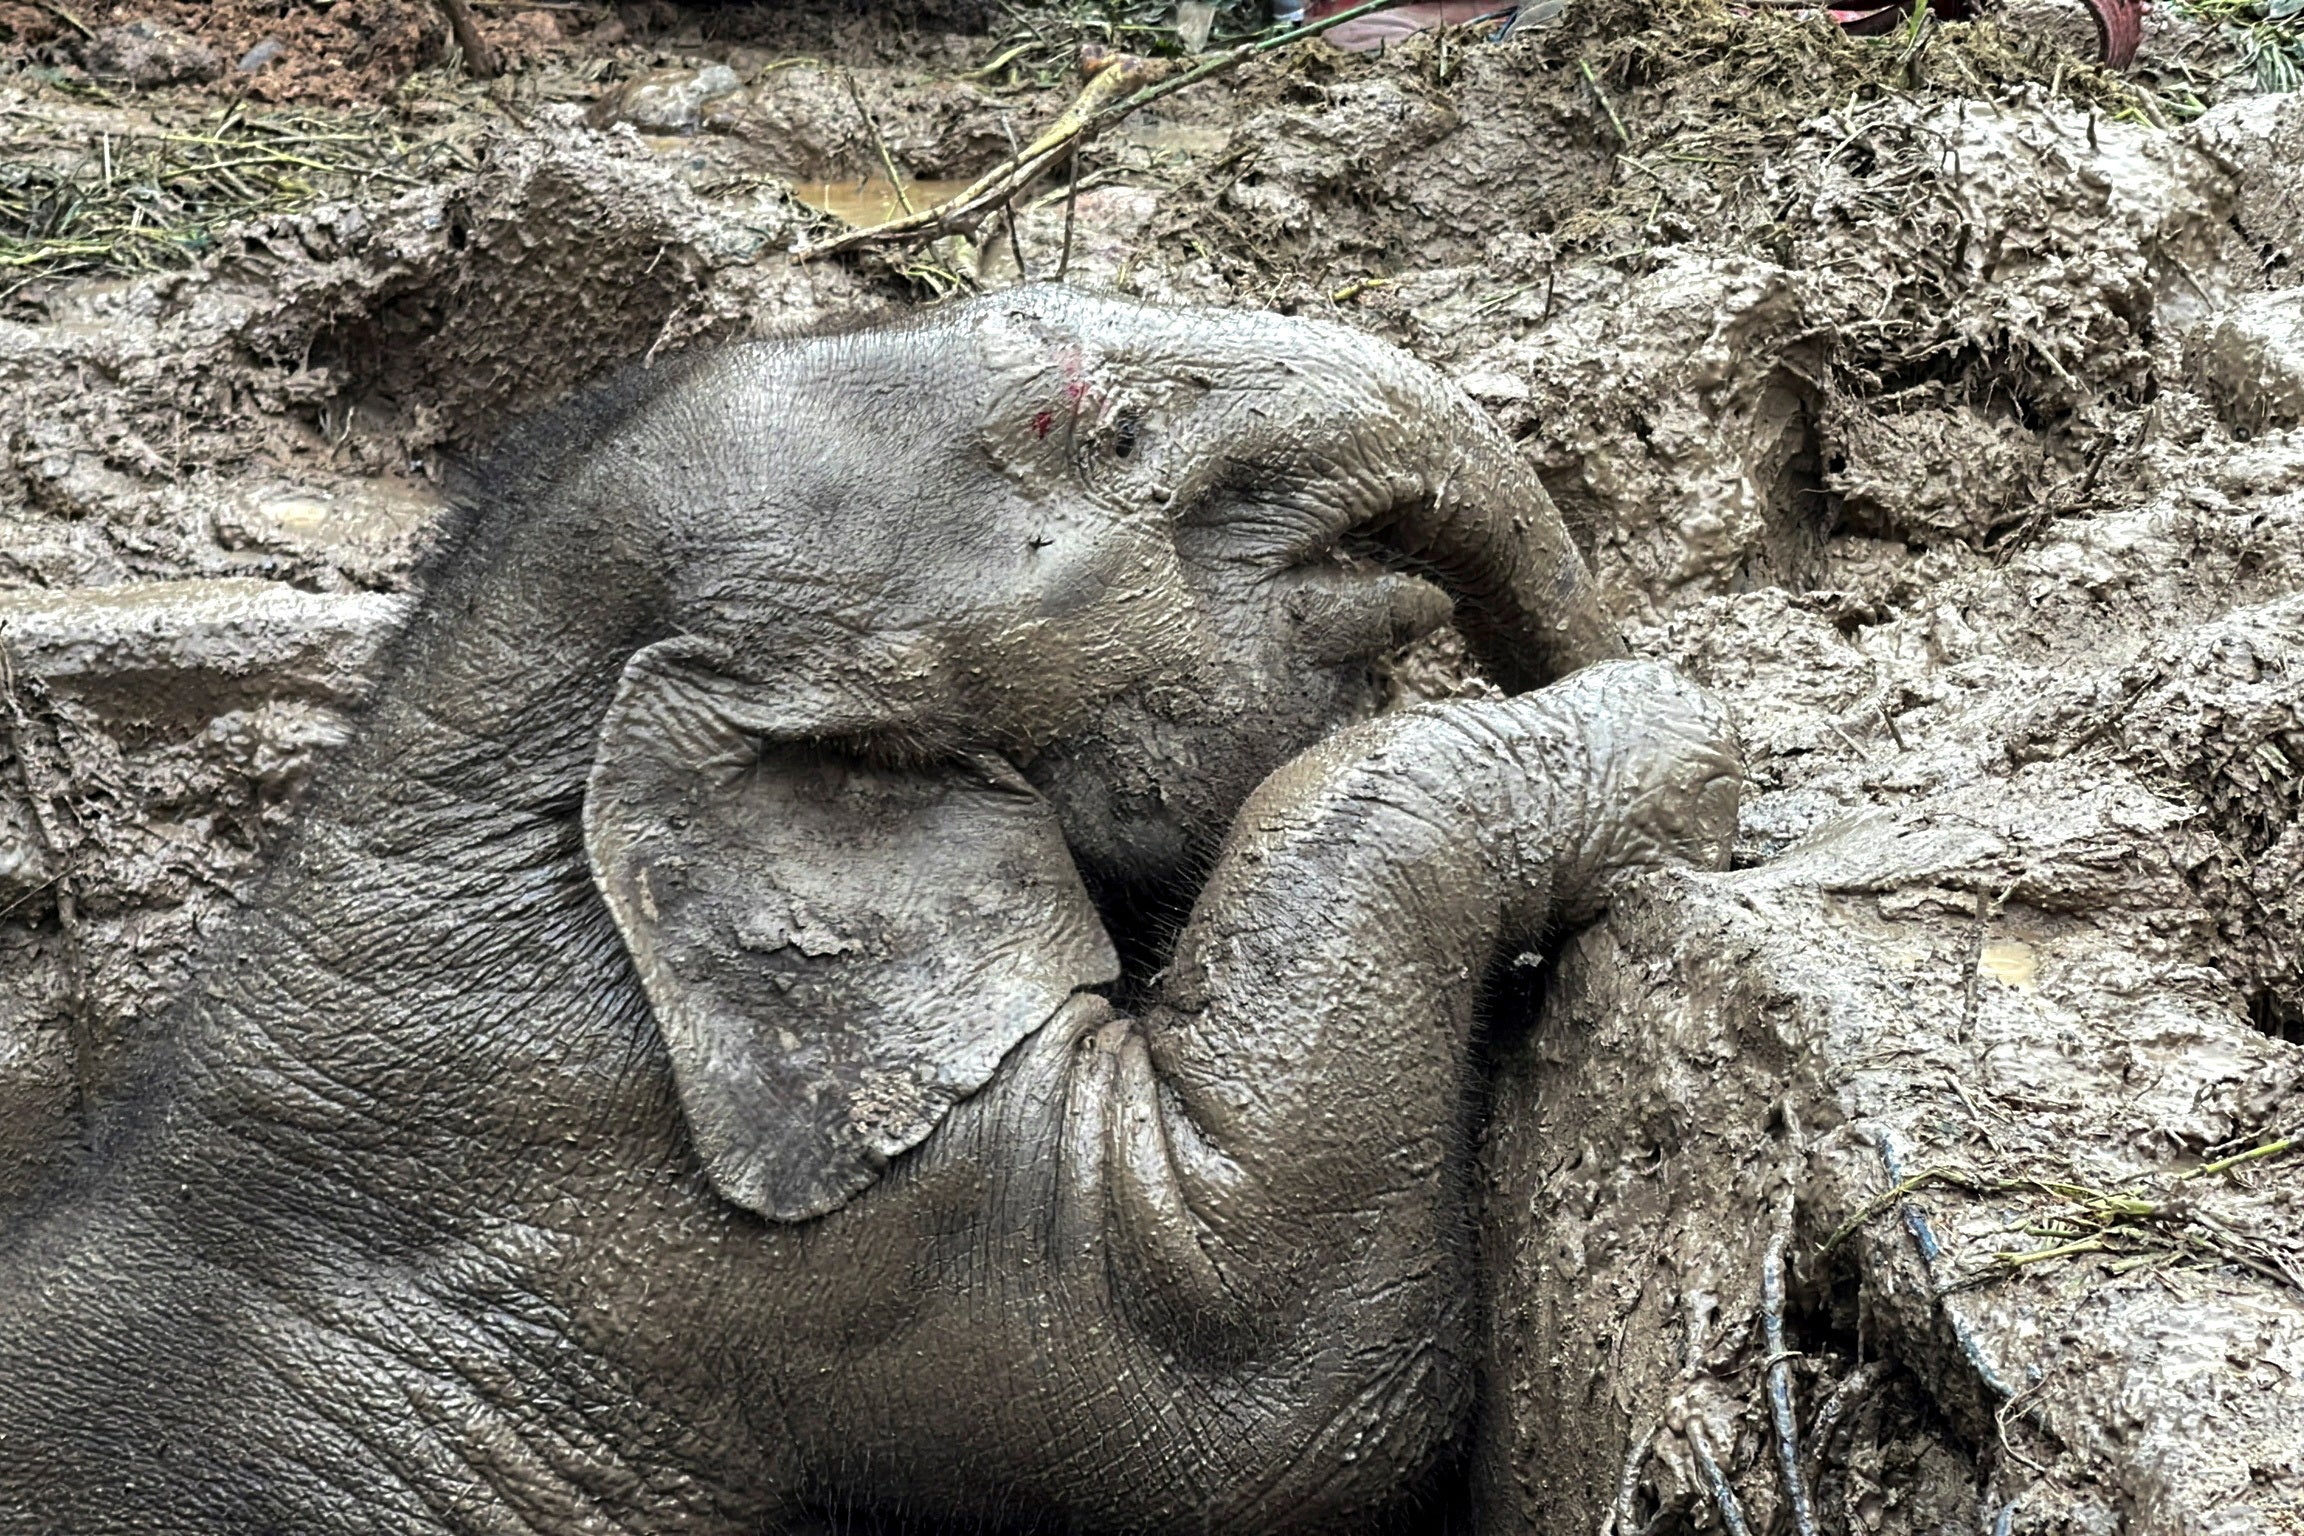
(1077, 393)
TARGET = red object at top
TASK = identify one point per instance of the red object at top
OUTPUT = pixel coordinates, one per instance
(2119, 23)
(1399, 22)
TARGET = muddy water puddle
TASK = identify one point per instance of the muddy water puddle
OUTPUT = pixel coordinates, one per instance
(873, 199)
(2013, 964)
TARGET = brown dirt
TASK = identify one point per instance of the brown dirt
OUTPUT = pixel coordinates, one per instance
(355, 50)
(349, 52)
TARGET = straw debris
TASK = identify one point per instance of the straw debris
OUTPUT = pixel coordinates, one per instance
(110, 203)
(2130, 1229)
(1041, 43)
(1696, 96)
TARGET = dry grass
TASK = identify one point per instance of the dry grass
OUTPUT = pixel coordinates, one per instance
(2268, 36)
(159, 197)
(1040, 45)
(1698, 95)
(2127, 1229)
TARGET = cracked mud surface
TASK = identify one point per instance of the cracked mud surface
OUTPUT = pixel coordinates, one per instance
(1943, 411)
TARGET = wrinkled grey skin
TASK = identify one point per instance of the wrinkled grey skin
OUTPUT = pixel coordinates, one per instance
(662, 1087)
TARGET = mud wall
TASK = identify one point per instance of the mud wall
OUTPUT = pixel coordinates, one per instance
(2008, 976)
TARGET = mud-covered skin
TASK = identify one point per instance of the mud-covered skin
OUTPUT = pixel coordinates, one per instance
(409, 1229)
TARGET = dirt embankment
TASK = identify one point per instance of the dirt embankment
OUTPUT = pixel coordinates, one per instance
(1939, 400)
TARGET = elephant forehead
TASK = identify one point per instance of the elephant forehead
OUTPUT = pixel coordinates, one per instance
(1054, 334)
(1028, 558)
(1157, 419)
(1043, 384)
(1044, 376)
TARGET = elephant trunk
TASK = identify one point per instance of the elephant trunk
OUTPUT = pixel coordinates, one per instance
(1401, 462)
(1465, 509)
(1483, 526)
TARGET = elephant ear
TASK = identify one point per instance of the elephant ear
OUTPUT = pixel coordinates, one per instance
(837, 950)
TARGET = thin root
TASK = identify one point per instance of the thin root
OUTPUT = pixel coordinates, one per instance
(1620, 1521)
(1856, 1386)
(1780, 1405)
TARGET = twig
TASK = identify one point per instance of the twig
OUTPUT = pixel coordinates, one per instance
(2035, 1256)
(1780, 1407)
(1957, 1177)
(478, 61)
(1834, 726)
(1584, 67)
(43, 792)
(64, 16)
(1071, 207)
(1499, 300)
(872, 127)
(999, 186)
(1088, 182)
(1000, 61)
(2270, 1149)
(1972, 983)
(1015, 240)
(1923, 31)
(987, 249)
(2000, 1424)
(1112, 94)
(1644, 168)
(2116, 713)
(1975, 1110)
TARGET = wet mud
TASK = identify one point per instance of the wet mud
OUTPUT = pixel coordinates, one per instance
(1938, 400)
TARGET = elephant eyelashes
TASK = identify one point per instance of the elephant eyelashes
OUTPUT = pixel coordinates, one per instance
(1124, 437)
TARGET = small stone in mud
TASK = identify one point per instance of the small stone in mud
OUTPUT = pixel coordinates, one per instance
(146, 54)
(2252, 361)
(667, 100)
(262, 54)
(25, 863)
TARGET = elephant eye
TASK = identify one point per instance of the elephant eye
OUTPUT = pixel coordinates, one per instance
(1124, 437)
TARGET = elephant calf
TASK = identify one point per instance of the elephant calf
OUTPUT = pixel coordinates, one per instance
(679, 1077)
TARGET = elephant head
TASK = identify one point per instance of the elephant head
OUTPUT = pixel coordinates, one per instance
(1037, 573)
(673, 1078)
